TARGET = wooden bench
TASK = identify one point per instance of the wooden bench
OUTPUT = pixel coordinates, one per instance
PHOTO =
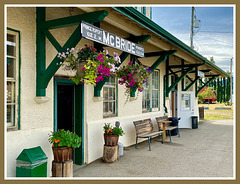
(144, 129)
(168, 127)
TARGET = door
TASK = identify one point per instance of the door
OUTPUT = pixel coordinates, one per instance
(185, 108)
(65, 107)
(68, 111)
(173, 103)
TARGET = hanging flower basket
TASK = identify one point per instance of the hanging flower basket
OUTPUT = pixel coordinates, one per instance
(136, 77)
(133, 75)
(95, 67)
(62, 154)
(80, 67)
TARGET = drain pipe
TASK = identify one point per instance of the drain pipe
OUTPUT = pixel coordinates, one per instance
(164, 94)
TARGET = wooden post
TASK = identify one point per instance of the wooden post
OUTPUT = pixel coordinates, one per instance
(110, 153)
(62, 169)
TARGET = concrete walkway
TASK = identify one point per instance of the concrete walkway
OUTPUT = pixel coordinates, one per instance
(203, 152)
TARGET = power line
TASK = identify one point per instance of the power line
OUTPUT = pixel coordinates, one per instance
(217, 40)
(215, 32)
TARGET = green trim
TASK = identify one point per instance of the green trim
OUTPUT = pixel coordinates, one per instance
(151, 13)
(174, 73)
(179, 79)
(224, 89)
(183, 66)
(44, 75)
(53, 41)
(187, 87)
(40, 51)
(211, 75)
(79, 122)
(144, 10)
(164, 94)
(160, 53)
(209, 80)
(90, 17)
(19, 76)
(182, 70)
(53, 67)
(196, 83)
(133, 91)
(153, 27)
(189, 78)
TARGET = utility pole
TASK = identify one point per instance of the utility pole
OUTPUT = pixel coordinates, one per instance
(191, 33)
(194, 24)
(231, 80)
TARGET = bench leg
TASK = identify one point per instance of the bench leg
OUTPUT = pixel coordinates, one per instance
(178, 132)
(162, 139)
(136, 142)
(149, 140)
(169, 131)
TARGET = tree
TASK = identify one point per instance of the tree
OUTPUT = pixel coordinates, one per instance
(207, 93)
(212, 60)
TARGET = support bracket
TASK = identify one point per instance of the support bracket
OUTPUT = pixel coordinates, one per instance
(44, 74)
(205, 84)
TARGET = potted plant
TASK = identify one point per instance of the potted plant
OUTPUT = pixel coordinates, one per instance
(133, 75)
(111, 134)
(91, 67)
(63, 143)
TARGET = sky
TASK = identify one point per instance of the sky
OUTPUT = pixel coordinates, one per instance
(214, 37)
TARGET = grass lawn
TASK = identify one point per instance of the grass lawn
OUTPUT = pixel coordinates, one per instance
(219, 114)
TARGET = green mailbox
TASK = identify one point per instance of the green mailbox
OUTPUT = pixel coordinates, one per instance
(32, 163)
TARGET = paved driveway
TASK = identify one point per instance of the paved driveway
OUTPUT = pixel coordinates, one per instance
(203, 152)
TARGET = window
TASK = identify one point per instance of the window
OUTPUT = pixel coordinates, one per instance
(185, 102)
(109, 98)
(146, 98)
(150, 94)
(12, 61)
(141, 9)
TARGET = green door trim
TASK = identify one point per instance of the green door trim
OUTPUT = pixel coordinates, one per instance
(78, 115)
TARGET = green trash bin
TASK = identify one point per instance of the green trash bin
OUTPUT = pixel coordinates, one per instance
(194, 122)
(31, 163)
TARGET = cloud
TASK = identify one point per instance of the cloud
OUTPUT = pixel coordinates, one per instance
(218, 46)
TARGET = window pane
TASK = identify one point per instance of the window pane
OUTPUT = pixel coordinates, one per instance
(185, 102)
(10, 92)
(105, 108)
(11, 45)
(10, 115)
(11, 67)
(105, 93)
(114, 94)
(109, 96)
(111, 108)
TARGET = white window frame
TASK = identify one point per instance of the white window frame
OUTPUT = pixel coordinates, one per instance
(13, 125)
(150, 89)
(106, 85)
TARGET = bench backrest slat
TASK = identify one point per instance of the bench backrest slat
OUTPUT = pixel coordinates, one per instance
(143, 126)
(162, 118)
